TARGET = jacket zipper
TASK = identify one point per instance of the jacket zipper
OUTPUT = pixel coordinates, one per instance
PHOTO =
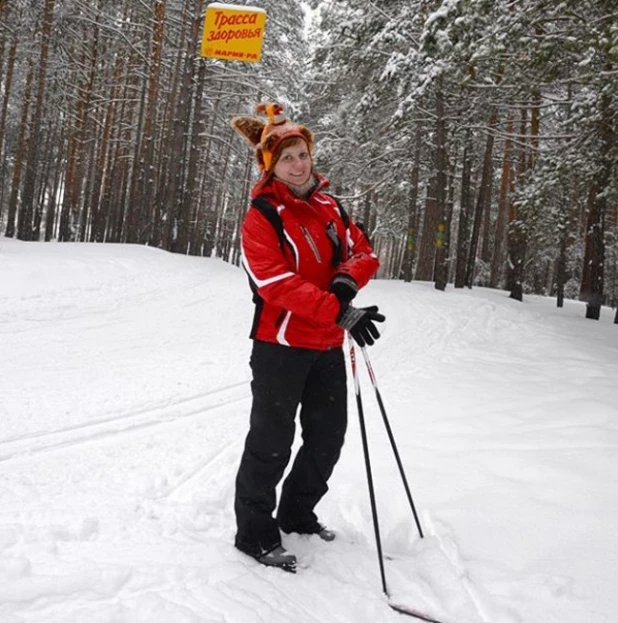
(311, 243)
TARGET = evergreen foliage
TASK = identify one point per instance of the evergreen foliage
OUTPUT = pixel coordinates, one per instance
(475, 139)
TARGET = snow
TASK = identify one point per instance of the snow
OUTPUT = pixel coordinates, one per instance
(124, 385)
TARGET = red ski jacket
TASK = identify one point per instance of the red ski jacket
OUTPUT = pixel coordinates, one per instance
(290, 269)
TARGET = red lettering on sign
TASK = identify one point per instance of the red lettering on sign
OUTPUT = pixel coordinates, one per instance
(234, 20)
(228, 35)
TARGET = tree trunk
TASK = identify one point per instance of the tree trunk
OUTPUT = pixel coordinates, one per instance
(131, 204)
(86, 216)
(463, 229)
(142, 197)
(4, 10)
(561, 268)
(483, 199)
(535, 126)
(19, 155)
(236, 211)
(203, 234)
(497, 260)
(516, 236)
(427, 251)
(73, 182)
(51, 138)
(162, 210)
(595, 233)
(595, 251)
(442, 227)
(190, 100)
(450, 206)
(25, 229)
(410, 248)
(8, 81)
(98, 209)
(117, 186)
(50, 216)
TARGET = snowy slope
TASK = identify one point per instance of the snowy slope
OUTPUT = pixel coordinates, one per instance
(124, 398)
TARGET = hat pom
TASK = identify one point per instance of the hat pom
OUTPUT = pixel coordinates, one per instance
(273, 111)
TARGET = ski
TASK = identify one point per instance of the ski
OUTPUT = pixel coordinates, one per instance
(414, 613)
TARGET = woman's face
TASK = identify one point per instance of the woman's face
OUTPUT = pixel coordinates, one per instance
(294, 164)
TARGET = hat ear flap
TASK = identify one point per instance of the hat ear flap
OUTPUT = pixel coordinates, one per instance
(259, 154)
(250, 128)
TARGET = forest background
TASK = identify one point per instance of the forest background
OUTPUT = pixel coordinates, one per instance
(476, 140)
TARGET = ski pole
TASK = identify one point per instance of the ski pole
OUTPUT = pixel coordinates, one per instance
(372, 497)
(374, 511)
(391, 438)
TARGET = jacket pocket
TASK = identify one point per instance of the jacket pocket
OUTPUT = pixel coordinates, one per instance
(311, 243)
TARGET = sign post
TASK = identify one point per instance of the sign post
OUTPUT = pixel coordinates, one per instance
(233, 32)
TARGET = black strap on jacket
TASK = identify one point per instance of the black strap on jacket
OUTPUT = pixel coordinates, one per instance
(269, 212)
(344, 215)
(331, 232)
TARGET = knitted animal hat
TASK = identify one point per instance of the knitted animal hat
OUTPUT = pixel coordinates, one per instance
(266, 136)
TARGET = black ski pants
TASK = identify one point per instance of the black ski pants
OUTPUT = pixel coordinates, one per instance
(283, 379)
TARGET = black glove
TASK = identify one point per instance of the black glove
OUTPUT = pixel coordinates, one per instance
(360, 323)
(343, 287)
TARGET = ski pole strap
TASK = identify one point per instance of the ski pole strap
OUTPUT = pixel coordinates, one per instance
(372, 376)
(353, 364)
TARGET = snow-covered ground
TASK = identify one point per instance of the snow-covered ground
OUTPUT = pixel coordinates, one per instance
(124, 399)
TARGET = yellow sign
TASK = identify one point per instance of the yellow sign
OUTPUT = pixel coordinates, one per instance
(233, 32)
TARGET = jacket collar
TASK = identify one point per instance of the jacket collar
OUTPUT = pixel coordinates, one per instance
(268, 185)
